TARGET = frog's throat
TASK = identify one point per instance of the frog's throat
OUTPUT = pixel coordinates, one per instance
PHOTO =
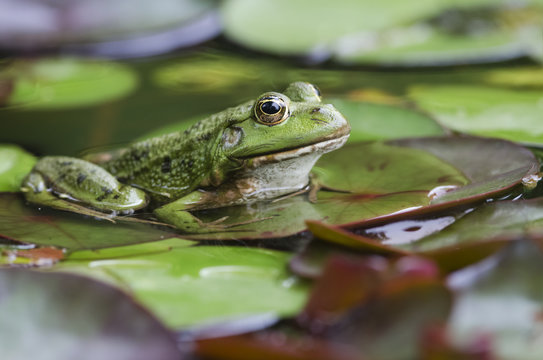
(316, 148)
(274, 175)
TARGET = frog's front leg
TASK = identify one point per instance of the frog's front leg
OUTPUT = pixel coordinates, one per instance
(79, 186)
(178, 212)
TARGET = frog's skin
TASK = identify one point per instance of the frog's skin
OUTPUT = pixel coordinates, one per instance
(261, 149)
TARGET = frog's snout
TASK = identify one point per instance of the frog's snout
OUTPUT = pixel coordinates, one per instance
(328, 115)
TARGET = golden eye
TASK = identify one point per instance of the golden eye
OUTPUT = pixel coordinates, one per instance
(271, 110)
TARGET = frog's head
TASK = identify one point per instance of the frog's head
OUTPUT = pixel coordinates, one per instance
(291, 123)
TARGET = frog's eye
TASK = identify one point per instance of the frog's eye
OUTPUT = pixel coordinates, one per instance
(271, 110)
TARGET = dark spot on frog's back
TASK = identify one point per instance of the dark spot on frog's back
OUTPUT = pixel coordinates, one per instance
(166, 166)
(80, 178)
(66, 163)
(106, 192)
(317, 109)
(205, 137)
(138, 155)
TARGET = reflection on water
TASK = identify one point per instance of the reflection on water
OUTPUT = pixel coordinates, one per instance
(407, 231)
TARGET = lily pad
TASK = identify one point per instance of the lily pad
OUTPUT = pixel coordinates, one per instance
(62, 316)
(366, 182)
(21, 222)
(424, 33)
(382, 122)
(358, 308)
(504, 219)
(122, 29)
(190, 285)
(496, 112)
(52, 83)
(456, 36)
(400, 315)
(15, 164)
(366, 177)
(295, 31)
(501, 298)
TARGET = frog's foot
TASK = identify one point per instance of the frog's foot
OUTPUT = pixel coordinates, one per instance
(78, 186)
(190, 224)
(315, 186)
(57, 202)
(219, 222)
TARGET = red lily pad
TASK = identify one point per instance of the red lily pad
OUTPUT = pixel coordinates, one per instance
(357, 309)
(21, 222)
(65, 317)
(471, 238)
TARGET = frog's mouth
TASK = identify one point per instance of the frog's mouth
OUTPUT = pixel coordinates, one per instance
(317, 148)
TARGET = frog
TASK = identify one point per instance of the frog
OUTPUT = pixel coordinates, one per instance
(260, 150)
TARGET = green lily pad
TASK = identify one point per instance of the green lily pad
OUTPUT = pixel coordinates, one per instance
(297, 31)
(382, 122)
(189, 285)
(423, 33)
(502, 300)
(52, 83)
(19, 221)
(504, 219)
(211, 73)
(528, 76)
(452, 243)
(505, 113)
(457, 36)
(15, 164)
(367, 177)
(61, 316)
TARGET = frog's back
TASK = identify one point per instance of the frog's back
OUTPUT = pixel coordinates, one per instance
(177, 163)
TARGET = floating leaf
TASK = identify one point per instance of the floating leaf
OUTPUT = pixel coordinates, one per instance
(295, 31)
(455, 42)
(63, 317)
(358, 308)
(122, 28)
(19, 221)
(504, 219)
(15, 164)
(505, 113)
(426, 33)
(189, 285)
(272, 345)
(52, 83)
(123, 251)
(382, 179)
(382, 122)
(502, 299)
(369, 175)
(492, 166)
(399, 316)
(473, 237)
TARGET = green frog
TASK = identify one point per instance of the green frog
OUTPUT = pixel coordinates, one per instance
(262, 149)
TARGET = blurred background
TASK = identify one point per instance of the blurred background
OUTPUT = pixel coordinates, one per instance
(81, 74)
